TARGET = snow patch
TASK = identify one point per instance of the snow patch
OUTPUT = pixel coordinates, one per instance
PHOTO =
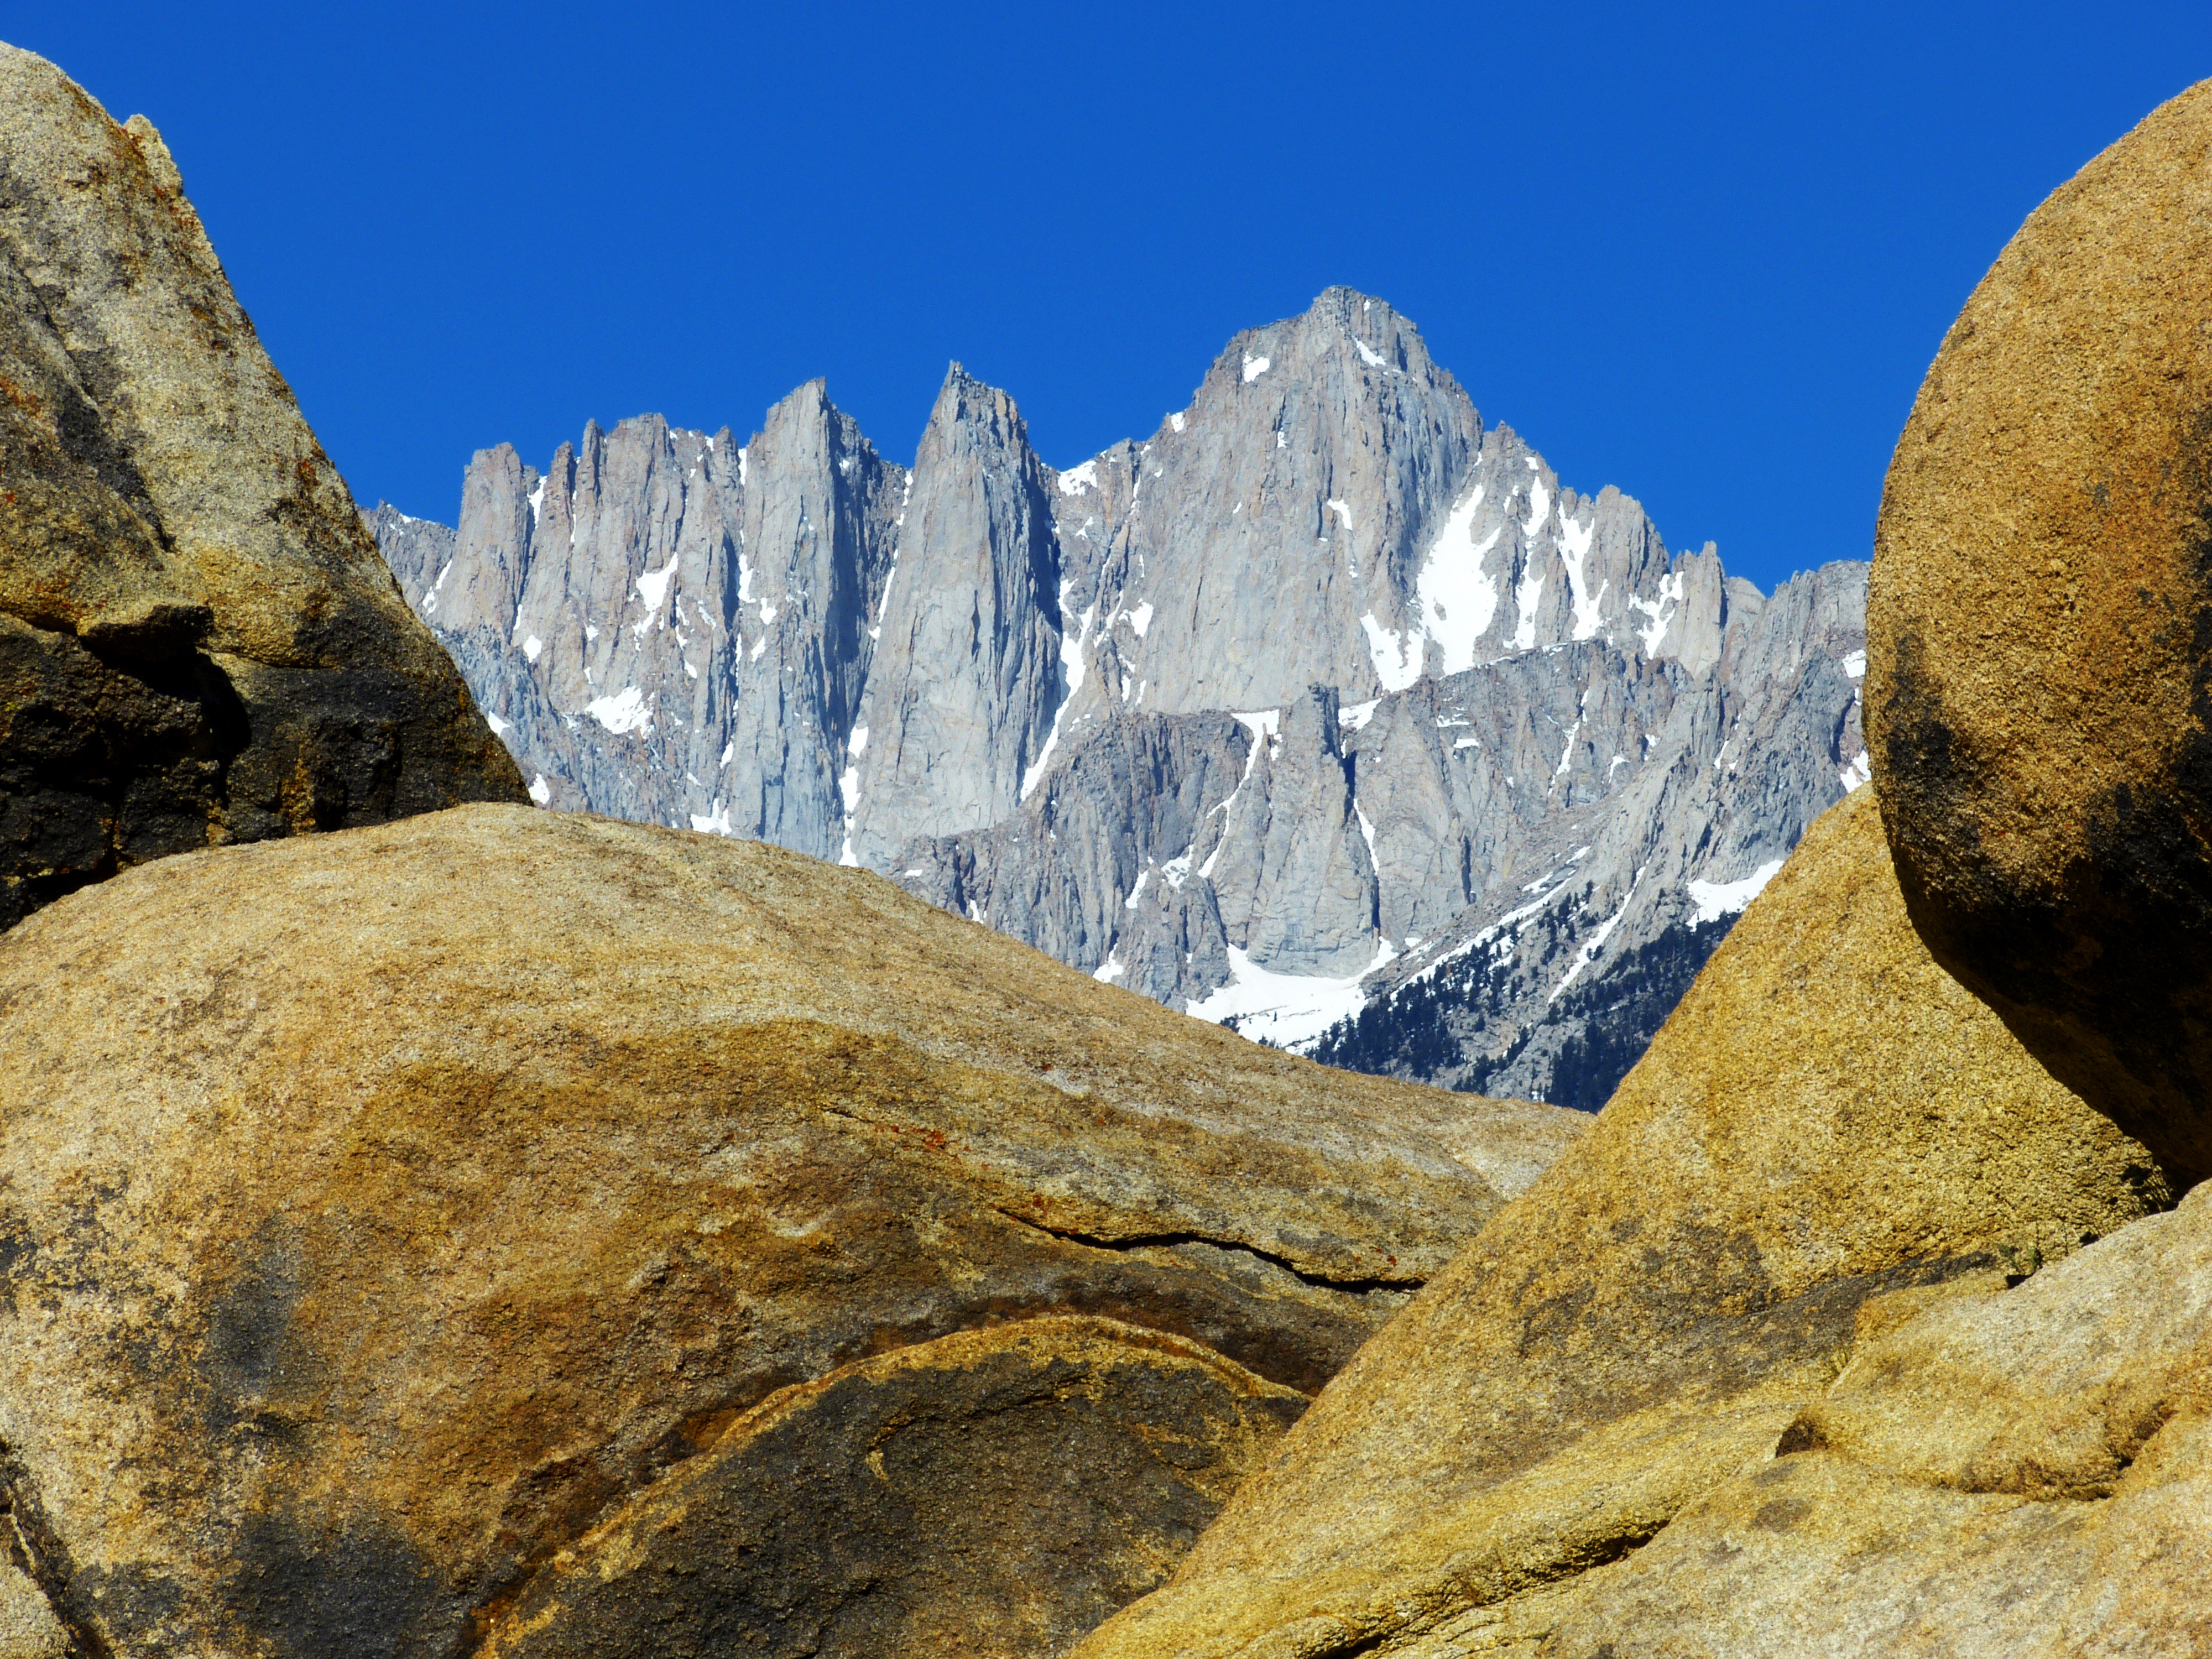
(1716, 899)
(1397, 658)
(1137, 892)
(1072, 664)
(532, 646)
(1341, 511)
(1366, 831)
(652, 586)
(1371, 358)
(537, 501)
(1141, 618)
(1574, 551)
(500, 728)
(540, 791)
(1176, 422)
(1262, 723)
(1108, 970)
(716, 820)
(1595, 942)
(1853, 664)
(1078, 479)
(625, 711)
(1456, 599)
(1660, 612)
(1255, 368)
(857, 741)
(1527, 595)
(1354, 715)
(1858, 773)
(1290, 1010)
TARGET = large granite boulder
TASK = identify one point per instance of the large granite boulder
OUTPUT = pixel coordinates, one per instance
(1828, 1122)
(385, 1211)
(2004, 1475)
(199, 641)
(2039, 637)
(996, 1492)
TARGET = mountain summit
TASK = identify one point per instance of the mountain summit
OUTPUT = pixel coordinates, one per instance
(1325, 709)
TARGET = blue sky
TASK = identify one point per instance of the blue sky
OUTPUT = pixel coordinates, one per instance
(1703, 253)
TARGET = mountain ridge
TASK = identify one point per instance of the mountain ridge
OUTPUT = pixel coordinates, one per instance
(1172, 713)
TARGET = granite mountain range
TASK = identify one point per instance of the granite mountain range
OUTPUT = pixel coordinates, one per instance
(1327, 710)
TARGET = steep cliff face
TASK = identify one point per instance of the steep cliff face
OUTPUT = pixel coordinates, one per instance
(1323, 693)
(198, 643)
(670, 626)
(968, 677)
(1673, 798)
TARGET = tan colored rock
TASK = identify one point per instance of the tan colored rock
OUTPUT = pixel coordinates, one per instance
(2006, 1475)
(1828, 1118)
(199, 641)
(28, 1629)
(384, 1210)
(1053, 1469)
(2039, 636)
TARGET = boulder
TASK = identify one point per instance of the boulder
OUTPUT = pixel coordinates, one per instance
(2005, 1474)
(199, 641)
(1827, 1123)
(1052, 1465)
(2039, 637)
(386, 1210)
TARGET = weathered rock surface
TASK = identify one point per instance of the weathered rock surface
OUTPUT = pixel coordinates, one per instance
(1087, 706)
(2042, 635)
(386, 1210)
(199, 641)
(1054, 1468)
(2006, 1475)
(1827, 1119)
(961, 699)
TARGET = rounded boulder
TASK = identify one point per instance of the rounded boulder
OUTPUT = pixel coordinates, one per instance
(2039, 637)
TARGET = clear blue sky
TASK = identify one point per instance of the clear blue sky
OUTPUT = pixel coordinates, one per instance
(1701, 252)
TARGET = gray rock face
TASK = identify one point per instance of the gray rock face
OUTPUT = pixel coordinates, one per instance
(1617, 866)
(968, 673)
(1324, 710)
(670, 627)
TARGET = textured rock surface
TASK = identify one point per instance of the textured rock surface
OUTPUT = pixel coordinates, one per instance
(668, 626)
(386, 1209)
(2042, 641)
(1201, 714)
(1055, 1467)
(2008, 1474)
(198, 642)
(961, 701)
(1827, 1118)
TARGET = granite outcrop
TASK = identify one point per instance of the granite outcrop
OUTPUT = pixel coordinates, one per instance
(2042, 634)
(199, 642)
(1830, 1132)
(399, 1220)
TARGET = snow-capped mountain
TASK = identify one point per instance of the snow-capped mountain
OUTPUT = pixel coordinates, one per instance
(1323, 698)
